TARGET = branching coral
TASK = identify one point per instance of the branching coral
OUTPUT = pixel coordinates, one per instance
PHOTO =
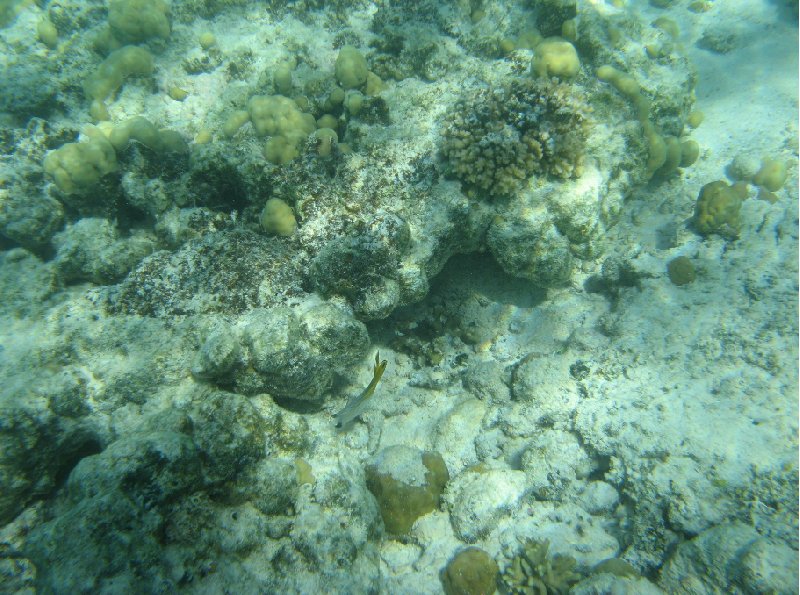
(501, 137)
(531, 572)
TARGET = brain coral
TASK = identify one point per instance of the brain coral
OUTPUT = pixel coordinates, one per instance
(499, 138)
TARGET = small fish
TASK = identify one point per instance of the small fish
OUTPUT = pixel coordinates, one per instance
(356, 405)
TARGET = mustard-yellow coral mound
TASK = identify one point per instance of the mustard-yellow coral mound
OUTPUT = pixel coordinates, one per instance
(277, 218)
(127, 61)
(280, 118)
(76, 166)
(273, 115)
(555, 57)
(717, 209)
(351, 68)
(772, 174)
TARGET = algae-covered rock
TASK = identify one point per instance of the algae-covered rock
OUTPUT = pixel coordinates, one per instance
(470, 572)
(93, 249)
(407, 484)
(30, 218)
(219, 353)
(531, 248)
(222, 271)
(37, 443)
(294, 354)
(229, 434)
(363, 267)
(607, 582)
(478, 499)
(730, 557)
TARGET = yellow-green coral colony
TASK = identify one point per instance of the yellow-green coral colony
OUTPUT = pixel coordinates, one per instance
(119, 65)
(695, 118)
(207, 40)
(177, 93)
(282, 77)
(133, 21)
(772, 174)
(77, 166)
(665, 153)
(234, 122)
(400, 503)
(47, 33)
(287, 121)
(98, 111)
(351, 68)
(718, 209)
(277, 218)
(326, 139)
(279, 118)
(526, 40)
(555, 57)
(471, 571)
(142, 130)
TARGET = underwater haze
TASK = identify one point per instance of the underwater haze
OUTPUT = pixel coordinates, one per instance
(409, 297)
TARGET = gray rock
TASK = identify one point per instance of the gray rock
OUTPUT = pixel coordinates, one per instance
(93, 250)
(731, 558)
(478, 500)
(531, 248)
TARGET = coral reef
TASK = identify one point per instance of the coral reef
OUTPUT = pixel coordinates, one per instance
(209, 234)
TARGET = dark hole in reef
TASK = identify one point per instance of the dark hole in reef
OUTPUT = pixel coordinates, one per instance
(603, 465)
(83, 444)
(297, 405)
(466, 283)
